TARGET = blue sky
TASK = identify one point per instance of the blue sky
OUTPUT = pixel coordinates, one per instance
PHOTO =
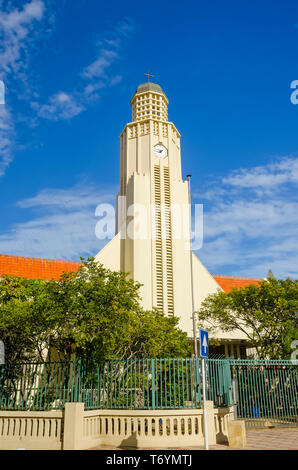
(70, 69)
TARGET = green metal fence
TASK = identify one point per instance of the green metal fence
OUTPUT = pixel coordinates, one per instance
(138, 384)
(266, 392)
(37, 386)
(219, 382)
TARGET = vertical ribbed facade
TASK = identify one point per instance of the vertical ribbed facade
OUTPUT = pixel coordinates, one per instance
(158, 239)
(168, 241)
(163, 240)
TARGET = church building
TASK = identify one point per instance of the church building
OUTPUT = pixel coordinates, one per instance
(146, 244)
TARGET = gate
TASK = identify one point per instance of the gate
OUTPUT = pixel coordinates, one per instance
(266, 392)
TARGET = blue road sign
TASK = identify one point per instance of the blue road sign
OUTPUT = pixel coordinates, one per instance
(204, 343)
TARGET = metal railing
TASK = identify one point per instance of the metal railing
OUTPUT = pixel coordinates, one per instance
(266, 392)
(37, 386)
(219, 382)
(140, 384)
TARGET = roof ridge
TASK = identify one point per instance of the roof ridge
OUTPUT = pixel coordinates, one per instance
(236, 277)
(39, 259)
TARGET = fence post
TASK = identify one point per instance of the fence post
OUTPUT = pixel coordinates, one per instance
(73, 426)
(235, 397)
(210, 421)
(153, 383)
(197, 383)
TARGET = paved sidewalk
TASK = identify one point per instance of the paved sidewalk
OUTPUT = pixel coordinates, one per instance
(263, 439)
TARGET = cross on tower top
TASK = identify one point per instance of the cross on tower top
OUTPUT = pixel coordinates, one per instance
(149, 75)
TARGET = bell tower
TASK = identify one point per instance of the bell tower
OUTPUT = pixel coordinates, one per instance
(152, 250)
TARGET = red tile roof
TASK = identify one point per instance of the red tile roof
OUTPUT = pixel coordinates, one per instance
(228, 282)
(35, 268)
(38, 268)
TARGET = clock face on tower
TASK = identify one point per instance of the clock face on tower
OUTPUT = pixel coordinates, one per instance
(160, 151)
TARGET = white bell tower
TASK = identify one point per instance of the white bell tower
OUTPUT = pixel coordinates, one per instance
(150, 177)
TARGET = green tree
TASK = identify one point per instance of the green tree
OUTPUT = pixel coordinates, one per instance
(22, 322)
(92, 313)
(266, 313)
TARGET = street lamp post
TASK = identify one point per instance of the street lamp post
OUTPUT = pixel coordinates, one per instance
(191, 273)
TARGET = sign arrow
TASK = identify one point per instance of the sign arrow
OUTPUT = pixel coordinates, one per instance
(205, 344)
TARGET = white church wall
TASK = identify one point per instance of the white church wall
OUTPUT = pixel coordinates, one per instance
(181, 258)
(204, 285)
(138, 243)
(109, 256)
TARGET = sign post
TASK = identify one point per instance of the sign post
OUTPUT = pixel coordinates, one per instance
(204, 347)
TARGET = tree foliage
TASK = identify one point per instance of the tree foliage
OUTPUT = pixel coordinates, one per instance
(92, 313)
(266, 313)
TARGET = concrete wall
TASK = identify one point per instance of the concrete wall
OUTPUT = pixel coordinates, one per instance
(77, 429)
(38, 430)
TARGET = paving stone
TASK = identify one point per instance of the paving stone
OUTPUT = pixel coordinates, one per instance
(269, 439)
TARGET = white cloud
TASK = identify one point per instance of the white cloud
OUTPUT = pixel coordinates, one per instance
(101, 64)
(64, 227)
(17, 35)
(6, 138)
(94, 77)
(16, 20)
(58, 236)
(265, 177)
(80, 196)
(15, 26)
(93, 87)
(60, 106)
(251, 216)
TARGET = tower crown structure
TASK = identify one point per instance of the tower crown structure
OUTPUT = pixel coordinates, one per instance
(149, 102)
